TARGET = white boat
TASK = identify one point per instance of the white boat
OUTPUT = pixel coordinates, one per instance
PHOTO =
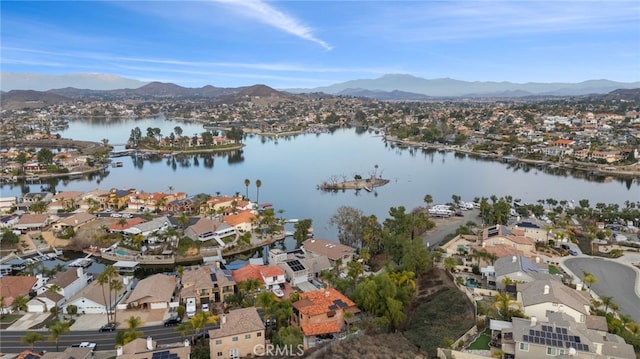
(292, 220)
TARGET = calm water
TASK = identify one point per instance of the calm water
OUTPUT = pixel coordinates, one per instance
(291, 168)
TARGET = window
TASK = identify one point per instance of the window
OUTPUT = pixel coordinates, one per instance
(234, 339)
(247, 336)
(219, 354)
(524, 347)
(258, 334)
(218, 341)
(552, 351)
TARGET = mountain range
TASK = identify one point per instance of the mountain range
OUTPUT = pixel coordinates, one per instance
(386, 88)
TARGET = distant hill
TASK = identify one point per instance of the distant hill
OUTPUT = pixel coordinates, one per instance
(394, 95)
(18, 99)
(446, 87)
(45, 82)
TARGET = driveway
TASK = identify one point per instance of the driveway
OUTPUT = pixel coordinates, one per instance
(445, 226)
(615, 279)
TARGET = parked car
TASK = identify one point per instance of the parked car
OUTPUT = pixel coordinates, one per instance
(90, 345)
(172, 321)
(109, 327)
(573, 252)
(278, 292)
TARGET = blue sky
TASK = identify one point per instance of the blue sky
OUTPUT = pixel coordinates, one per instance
(287, 44)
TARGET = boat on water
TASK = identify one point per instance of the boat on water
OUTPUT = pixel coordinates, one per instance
(82, 262)
(292, 220)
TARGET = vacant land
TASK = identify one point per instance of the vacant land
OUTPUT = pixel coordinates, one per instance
(373, 346)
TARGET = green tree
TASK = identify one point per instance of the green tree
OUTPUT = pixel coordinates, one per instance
(201, 319)
(507, 307)
(38, 207)
(45, 156)
(589, 279)
(349, 221)
(247, 183)
(288, 336)
(104, 280)
(20, 303)
(258, 185)
(302, 230)
(30, 338)
(133, 323)
(56, 330)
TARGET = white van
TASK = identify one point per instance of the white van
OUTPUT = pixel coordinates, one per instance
(191, 307)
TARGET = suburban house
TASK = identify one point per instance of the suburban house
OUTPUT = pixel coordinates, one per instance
(159, 224)
(518, 269)
(9, 220)
(501, 235)
(242, 221)
(70, 282)
(299, 266)
(129, 223)
(207, 229)
(321, 312)
(149, 349)
(97, 199)
(241, 334)
(44, 302)
(6, 203)
(32, 222)
(74, 221)
(33, 197)
(333, 250)
(541, 297)
(206, 284)
(65, 201)
(91, 299)
(270, 276)
(70, 353)
(154, 292)
(13, 287)
(561, 336)
(118, 198)
(533, 229)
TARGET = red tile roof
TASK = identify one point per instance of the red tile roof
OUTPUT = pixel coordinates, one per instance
(319, 301)
(12, 287)
(271, 271)
(249, 271)
(320, 328)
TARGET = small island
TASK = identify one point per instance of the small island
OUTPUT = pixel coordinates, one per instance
(358, 183)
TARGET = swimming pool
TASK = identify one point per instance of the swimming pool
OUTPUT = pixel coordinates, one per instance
(122, 252)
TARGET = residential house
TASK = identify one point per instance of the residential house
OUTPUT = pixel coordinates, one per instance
(97, 199)
(32, 222)
(154, 292)
(541, 297)
(65, 201)
(118, 198)
(9, 220)
(149, 349)
(91, 299)
(129, 223)
(562, 337)
(207, 229)
(187, 205)
(243, 221)
(74, 221)
(533, 230)
(206, 284)
(159, 224)
(519, 269)
(70, 282)
(6, 203)
(321, 312)
(32, 197)
(500, 235)
(269, 276)
(299, 266)
(44, 302)
(13, 287)
(241, 334)
(333, 250)
(70, 353)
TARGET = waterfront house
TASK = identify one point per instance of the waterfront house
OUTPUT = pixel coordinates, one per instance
(269, 276)
(43, 302)
(241, 334)
(91, 300)
(9, 220)
(118, 198)
(242, 221)
(97, 199)
(7, 203)
(131, 222)
(147, 348)
(321, 312)
(541, 297)
(206, 284)
(13, 287)
(333, 250)
(70, 282)
(74, 221)
(561, 336)
(154, 292)
(299, 266)
(32, 197)
(159, 224)
(207, 229)
(32, 222)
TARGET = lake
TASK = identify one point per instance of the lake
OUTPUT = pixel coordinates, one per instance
(290, 169)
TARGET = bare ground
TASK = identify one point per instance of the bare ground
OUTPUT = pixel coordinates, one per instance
(381, 346)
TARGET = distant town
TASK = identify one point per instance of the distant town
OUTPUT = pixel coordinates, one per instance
(180, 279)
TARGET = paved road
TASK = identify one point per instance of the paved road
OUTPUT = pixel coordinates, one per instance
(449, 225)
(614, 280)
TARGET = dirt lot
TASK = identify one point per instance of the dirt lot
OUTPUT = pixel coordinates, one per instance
(373, 346)
(86, 233)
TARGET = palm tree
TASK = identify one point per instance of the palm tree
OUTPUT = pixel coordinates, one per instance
(250, 284)
(258, 185)
(54, 288)
(30, 338)
(133, 323)
(607, 302)
(20, 303)
(450, 263)
(201, 319)
(104, 279)
(507, 307)
(56, 330)
(115, 285)
(247, 183)
(589, 279)
(428, 199)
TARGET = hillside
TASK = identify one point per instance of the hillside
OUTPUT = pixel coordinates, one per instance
(18, 99)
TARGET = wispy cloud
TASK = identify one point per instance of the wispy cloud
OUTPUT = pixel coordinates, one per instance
(268, 14)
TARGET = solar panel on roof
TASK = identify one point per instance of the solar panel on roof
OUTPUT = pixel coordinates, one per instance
(585, 347)
(333, 307)
(213, 277)
(577, 339)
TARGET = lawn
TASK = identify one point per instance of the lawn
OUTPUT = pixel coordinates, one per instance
(482, 343)
(10, 318)
(554, 270)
